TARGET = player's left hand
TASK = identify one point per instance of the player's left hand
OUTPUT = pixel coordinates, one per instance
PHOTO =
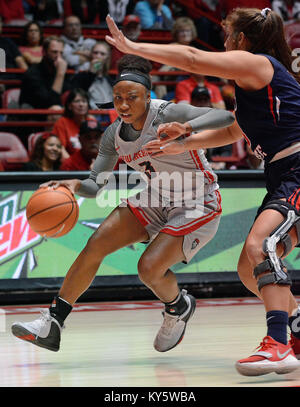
(171, 131)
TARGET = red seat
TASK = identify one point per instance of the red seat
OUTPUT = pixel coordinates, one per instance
(10, 98)
(17, 22)
(113, 115)
(56, 21)
(237, 157)
(12, 151)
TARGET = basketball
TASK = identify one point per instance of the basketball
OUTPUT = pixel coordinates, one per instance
(52, 212)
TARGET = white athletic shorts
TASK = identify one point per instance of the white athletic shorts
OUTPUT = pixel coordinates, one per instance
(197, 226)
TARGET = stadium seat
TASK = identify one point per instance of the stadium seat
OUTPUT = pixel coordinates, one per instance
(32, 138)
(12, 152)
(238, 156)
(17, 22)
(113, 115)
(57, 21)
(10, 98)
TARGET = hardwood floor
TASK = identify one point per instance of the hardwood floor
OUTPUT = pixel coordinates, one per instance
(110, 344)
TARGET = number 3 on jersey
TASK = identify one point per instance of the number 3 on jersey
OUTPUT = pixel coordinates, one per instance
(147, 168)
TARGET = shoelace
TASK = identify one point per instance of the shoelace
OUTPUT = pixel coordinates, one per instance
(44, 318)
(38, 323)
(264, 345)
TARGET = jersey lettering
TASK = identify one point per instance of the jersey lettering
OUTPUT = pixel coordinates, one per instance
(148, 169)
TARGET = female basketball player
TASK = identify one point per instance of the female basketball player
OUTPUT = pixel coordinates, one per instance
(177, 222)
(259, 61)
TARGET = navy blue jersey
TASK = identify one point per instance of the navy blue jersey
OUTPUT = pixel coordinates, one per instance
(270, 117)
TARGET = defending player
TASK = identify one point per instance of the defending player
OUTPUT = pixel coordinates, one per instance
(176, 222)
(259, 61)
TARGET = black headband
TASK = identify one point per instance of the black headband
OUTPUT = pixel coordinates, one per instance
(134, 77)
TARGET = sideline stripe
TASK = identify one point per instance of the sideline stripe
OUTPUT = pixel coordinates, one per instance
(133, 305)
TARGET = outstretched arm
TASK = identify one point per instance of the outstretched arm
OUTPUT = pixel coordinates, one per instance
(103, 166)
(248, 70)
(179, 119)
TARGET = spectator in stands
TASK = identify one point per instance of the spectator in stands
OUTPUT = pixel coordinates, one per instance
(77, 49)
(228, 95)
(131, 28)
(200, 97)
(208, 24)
(117, 9)
(48, 10)
(46, 154)
(44, 83)
(13, 57)
(32, 41)
(228, 5)
(52, 118)
(154, 14)
(185, 88)
(94, 79)
(86, 11)
(183, 32)
(287, 9)
(89, 136)
(68, 126)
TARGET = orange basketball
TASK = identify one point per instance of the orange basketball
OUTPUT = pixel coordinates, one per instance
(52, 212)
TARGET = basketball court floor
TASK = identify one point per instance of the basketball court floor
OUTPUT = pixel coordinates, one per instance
(110, 344)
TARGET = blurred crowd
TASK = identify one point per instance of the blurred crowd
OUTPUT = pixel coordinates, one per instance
(70, 73)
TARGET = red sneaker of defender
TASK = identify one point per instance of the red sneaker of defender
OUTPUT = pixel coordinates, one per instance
(295, 344)
(271, 356)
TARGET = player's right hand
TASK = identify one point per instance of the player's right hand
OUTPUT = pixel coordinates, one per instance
(72, 184)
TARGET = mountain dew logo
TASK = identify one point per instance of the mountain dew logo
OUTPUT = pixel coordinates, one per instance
(16, 236)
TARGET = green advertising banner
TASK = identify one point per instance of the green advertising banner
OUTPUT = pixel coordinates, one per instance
(24, 254)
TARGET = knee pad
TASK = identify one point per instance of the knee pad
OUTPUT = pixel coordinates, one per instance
(273, 264)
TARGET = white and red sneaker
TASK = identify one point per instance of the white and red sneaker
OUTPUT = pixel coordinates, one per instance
(271, 356)
(295, 344)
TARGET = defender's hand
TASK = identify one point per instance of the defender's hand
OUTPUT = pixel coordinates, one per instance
(117, 38)
(158, 148)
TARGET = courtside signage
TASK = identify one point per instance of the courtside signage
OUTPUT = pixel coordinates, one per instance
(16, 236)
